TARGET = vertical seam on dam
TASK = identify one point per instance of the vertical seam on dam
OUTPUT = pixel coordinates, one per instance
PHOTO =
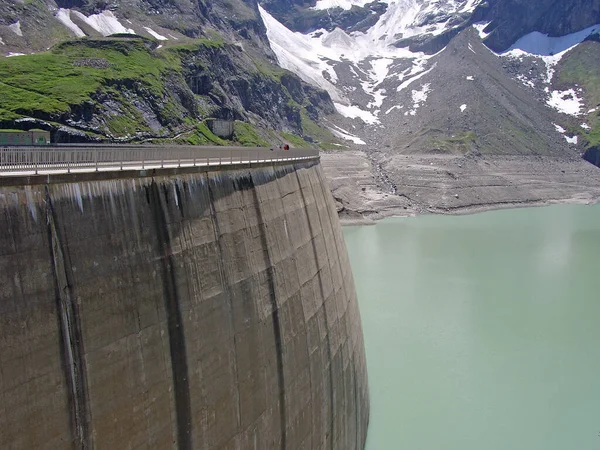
(322, 289)
(307, 340)
(227, 289)
(275, 315)
(337, 255)
(71, 342)
(177, 347)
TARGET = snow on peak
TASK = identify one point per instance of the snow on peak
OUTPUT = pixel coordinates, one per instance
(104, 23)
(344, 4)
(539, 44)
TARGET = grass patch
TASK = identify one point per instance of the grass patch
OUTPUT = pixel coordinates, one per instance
(203, 136)
(310, 128)
(460, 143)
(246, 135)
(295, 141)
(46, 84)
(581, 67)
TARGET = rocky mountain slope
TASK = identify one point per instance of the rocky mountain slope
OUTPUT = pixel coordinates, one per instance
(427, 77)
(144, 69)
(430, 83)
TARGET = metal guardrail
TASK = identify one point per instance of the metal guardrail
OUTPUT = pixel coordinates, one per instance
(61, 159)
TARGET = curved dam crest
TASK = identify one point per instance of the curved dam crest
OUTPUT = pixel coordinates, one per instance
(189, 309)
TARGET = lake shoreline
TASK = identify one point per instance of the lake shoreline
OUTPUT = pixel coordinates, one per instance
(369, 187)
(467, 210)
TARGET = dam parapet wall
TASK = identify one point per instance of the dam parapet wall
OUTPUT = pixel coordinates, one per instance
(192, 309)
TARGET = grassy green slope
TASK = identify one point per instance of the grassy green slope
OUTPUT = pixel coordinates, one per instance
(97, 85)
(49, 83)
(581, 67)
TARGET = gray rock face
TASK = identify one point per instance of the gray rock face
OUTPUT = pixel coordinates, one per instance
(511, 19)
(230, 74)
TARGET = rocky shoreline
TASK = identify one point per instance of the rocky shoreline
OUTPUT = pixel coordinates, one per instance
(372, 186)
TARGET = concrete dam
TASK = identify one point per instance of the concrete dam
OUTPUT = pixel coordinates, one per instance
(182, 308)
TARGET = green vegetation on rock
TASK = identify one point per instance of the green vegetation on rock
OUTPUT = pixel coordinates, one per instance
(203, 136)
(460, 143)
(295, 141)
(581, 67)
(245, 134)
(126, 88)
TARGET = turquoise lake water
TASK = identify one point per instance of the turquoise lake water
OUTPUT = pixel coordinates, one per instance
(482, 331)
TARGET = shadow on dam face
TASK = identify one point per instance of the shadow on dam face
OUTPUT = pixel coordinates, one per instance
(187, 309)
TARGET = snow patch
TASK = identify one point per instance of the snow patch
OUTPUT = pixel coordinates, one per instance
(314, 56)
(470, 78)
(393, 108)
(341, 133)
(104, 23)
(480, 26)
(14, 54)
(585, 126)
(559, 128)
(354, 112)
(2, 42)
(407, 83)
(155, 34)
(463, 107)
(566, 102)
(420, 96)
(571, 140)
(549, 49)
(471, 48)
(16, 28)
(525, 81)
(64, 15)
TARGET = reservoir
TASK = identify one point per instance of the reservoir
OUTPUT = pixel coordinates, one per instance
(482, 331)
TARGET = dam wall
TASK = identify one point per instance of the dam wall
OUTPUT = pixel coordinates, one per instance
(178, 309)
